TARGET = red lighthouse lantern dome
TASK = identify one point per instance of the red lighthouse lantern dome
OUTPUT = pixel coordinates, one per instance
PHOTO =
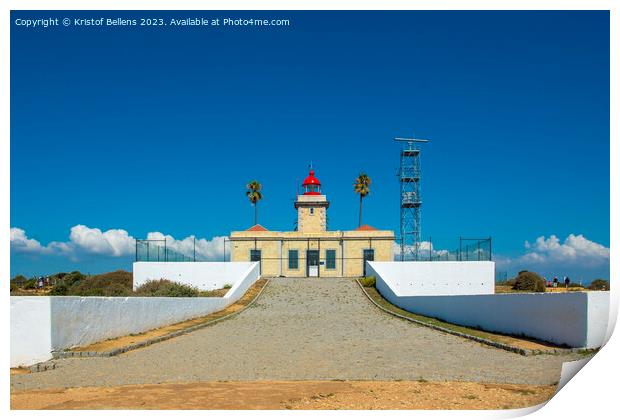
(312, 186)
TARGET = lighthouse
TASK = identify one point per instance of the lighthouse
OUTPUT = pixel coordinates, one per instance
(311, 206)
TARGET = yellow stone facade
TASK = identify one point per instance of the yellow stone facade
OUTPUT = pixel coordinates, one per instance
(312, 250)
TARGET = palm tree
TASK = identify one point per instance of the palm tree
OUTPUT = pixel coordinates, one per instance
(362, 187)
(254, 195)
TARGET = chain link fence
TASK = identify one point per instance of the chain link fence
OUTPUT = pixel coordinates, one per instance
(157, 250)
(470, 249)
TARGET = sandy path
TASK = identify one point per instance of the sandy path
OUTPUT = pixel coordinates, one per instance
(306, 395)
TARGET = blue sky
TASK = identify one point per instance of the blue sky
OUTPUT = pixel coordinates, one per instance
(159, 129)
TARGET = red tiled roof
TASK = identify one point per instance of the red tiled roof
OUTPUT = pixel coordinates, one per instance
(366, 227)
(257, 228)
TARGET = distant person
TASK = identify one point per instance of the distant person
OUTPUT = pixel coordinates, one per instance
(566, 281)
(40, 282)
(555, 282)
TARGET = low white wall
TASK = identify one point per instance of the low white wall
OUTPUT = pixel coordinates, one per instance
(575, 319)
(203, 275)
(434, 278)
(30, 330)
(82, 320)
(40, 325)
(247, 279)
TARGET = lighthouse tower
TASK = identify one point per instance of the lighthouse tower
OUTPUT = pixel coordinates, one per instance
(311, 206)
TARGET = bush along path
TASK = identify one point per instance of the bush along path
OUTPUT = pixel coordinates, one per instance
(115, 346)
(520, 345)
(115, 283)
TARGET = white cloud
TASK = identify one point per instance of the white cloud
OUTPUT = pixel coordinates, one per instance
(113, 243)
(576, 255)
(575, 249)
(21, 243)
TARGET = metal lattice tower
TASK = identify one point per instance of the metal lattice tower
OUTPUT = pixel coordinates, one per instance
(410, 200)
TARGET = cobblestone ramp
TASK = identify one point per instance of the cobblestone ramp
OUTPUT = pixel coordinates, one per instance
(305, 329)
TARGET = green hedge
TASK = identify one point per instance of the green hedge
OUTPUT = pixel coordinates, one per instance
(529, 281)
(599, 284)
(369, 281)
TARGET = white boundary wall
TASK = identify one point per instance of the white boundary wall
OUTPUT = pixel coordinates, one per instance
(203, 275)
(576, 319)
(31, 338)
(434, 278)
(40, 325)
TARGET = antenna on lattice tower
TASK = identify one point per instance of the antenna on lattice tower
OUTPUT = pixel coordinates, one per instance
(410, 199)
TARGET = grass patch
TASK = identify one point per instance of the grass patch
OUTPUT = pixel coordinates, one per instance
(213, 293)
(587, 352)
(370, 281)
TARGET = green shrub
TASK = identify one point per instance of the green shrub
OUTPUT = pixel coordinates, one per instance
(72, 278)
(63, 283)
(115, 283)
(227, 286)
(59, 289)
(369, 281)
(599, 284)
(30, 284)
(529, 281)
(19, 280)
(162, 288)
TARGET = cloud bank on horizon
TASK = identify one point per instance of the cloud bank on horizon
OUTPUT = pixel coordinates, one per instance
(84, 240)
(576, 256)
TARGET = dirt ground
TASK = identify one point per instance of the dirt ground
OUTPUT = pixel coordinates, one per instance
(45, 291)
(559, 289)
(304, 395)
(127, 340)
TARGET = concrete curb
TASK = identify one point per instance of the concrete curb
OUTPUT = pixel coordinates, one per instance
(502, 346)
(42, 367)
(117, 351)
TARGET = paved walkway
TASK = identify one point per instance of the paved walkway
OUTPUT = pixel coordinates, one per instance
(305, 329)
